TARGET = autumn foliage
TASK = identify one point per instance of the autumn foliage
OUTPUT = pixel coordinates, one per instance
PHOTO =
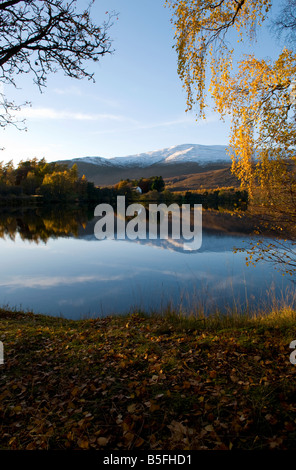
(254, 92)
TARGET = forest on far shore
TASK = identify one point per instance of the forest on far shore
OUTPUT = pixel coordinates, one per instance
(56, 182)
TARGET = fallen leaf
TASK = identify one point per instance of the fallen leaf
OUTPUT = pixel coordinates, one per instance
(209, 428)
(132, 408)
(102, 441)
(83, 443)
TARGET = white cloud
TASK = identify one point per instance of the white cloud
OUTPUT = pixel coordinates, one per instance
(47, 282)
(50, 113)
(77, 92)
(187, 120)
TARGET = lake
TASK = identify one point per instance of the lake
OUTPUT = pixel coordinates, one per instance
(52, 263)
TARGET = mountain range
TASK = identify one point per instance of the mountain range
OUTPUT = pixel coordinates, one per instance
(187, 166)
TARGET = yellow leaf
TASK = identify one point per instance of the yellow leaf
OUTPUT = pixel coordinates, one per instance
(102, 441)
(154, 407)
(139, 442)
(132, 408)
(83, 443)
(209, 428)
(74, 391)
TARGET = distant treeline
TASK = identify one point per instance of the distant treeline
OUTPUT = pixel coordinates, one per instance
(231, 197)
(153, 189)
(154, 183)
(48, 181)
(39, 180)
(228, 198)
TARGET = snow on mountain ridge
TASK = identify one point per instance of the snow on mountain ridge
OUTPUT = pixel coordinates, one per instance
(93, 160)
(141, 159)
(200, 154)
(177, 154)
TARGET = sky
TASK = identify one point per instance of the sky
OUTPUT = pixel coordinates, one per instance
(136, 104)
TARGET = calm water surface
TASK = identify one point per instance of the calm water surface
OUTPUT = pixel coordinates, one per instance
(56, 266)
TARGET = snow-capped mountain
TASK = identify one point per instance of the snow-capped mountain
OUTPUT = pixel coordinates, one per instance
(173, 164)
(193, 153)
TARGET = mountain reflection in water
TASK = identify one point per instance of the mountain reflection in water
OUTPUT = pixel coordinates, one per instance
(53, 264)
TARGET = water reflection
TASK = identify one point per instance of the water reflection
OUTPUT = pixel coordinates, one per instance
(44, 222)
(52, 263)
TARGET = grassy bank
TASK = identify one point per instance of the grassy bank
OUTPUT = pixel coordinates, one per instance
(137, 382)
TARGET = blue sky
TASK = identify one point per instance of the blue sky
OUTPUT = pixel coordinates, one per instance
(136, 104)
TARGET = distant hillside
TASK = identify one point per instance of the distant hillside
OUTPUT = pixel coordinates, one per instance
(208, 179)
(183, 167)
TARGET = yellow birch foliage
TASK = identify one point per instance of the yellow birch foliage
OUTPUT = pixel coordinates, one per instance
(254, 92)
(201, 27)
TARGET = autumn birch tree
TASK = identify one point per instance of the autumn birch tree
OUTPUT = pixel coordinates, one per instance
(253, 92)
